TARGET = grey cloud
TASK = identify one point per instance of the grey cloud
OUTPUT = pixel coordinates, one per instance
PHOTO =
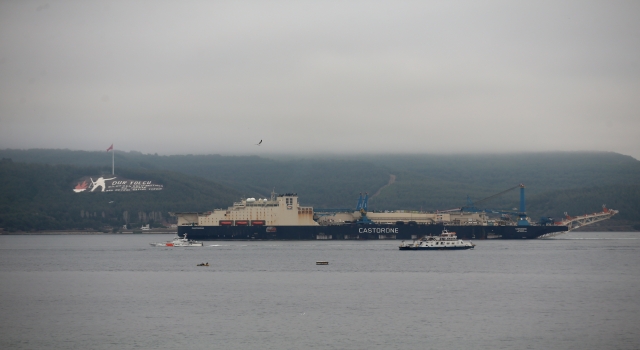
(382, 76)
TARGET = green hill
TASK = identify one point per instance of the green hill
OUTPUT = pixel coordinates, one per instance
(623, 197)
(427, 182)
(40, 197)
(327, 183)
(440, 182)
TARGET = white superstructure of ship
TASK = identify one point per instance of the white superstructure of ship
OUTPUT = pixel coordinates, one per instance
(279, 210)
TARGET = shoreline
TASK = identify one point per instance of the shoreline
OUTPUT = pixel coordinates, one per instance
(64, 232)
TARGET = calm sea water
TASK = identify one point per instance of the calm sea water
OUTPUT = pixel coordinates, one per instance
(580, 291)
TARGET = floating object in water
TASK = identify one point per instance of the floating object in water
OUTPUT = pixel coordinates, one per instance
(322, 263)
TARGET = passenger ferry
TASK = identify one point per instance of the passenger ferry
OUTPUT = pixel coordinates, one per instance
(446, 241)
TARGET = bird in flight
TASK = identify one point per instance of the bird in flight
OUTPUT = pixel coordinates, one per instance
(258, 144)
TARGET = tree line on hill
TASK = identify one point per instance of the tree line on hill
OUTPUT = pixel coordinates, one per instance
(41, 197)
(576, 182)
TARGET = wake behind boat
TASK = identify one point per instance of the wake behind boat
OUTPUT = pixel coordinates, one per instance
(179, 242)
(446, 241)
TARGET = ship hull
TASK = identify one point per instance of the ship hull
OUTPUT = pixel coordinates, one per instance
(362, 231)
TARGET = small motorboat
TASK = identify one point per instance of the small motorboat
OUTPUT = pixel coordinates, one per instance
(179, 242)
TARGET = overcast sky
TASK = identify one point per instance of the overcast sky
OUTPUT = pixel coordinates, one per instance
(175, 77)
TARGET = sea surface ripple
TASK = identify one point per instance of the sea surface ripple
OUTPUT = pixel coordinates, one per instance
(578, 291)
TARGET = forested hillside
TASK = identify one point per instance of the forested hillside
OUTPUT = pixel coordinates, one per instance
(539, 171)
(40, 197)
(623, 197)
(327, 183)
(576, 182)
(592, 178)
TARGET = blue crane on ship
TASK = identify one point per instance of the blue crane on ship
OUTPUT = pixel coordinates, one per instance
(363, 202)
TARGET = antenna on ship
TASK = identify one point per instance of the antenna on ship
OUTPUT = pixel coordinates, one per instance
(273, 194)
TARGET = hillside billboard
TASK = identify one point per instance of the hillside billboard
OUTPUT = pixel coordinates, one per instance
(114, 184)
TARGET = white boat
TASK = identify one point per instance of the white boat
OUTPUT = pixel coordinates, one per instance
(179, 242)
(446, 241)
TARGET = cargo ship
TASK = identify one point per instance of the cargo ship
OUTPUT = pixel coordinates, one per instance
(281, 217)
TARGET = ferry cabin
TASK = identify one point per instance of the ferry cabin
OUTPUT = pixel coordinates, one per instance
(447, 240)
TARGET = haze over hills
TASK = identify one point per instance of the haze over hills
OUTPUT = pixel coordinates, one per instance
(576, 182)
